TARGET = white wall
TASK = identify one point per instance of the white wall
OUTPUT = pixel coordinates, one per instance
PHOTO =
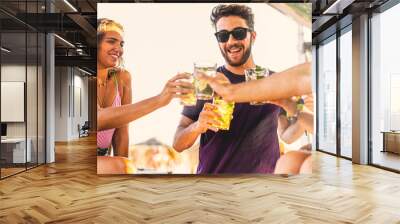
(61, 103)
(67, 80)
(80, 84)
(34, 125)
(163, 39)
(12, 73)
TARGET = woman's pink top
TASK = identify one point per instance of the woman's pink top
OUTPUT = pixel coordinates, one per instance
(104, 138)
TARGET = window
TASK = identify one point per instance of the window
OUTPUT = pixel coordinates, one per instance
(22, 76)
(327, 96)
(346, 93)
(385, 89)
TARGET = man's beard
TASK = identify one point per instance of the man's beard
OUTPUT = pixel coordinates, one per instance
(244, 58)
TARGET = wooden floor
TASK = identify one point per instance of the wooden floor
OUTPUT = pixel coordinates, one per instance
(5, 172)
(387, 159)
(69, 191)
(10, 171)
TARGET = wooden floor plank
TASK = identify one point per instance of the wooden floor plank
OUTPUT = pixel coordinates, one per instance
(70, 191)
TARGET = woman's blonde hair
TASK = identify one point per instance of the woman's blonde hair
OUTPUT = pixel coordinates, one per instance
(106, 25)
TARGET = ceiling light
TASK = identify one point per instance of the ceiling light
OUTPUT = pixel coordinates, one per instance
(5, 50)
(70, 5)
(86, 72)
(64, 40)
(338, 6)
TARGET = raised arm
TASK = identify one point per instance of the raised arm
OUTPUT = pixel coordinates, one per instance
(186, 134)
(116, 117)
(188, 130)
(295, 81)
(289, 133)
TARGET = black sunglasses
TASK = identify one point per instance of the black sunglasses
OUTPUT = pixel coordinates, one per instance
(238, 33)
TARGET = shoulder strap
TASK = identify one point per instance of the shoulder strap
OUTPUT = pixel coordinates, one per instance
(114, 77)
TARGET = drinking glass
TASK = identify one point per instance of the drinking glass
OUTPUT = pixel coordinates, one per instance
(225, 109)
(202, 89)
(189, 99)
(255, 74)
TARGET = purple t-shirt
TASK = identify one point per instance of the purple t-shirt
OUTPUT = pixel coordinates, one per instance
(249, 146)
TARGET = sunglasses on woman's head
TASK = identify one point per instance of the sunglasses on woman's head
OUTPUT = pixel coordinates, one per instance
(238, 33)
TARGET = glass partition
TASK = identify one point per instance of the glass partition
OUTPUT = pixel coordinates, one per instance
(22, 89)
(346, 93)
(13, 98)
(385, 89)
(327, 96)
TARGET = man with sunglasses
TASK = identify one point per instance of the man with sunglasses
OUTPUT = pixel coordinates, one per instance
(251, 144)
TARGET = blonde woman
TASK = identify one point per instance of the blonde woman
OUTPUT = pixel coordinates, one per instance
(114, 96)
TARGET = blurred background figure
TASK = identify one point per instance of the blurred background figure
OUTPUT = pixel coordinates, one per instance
(153, 156)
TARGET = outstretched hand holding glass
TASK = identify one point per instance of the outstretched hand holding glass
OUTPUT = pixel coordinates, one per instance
(295, 81)
(114, 117)
(176, 87)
